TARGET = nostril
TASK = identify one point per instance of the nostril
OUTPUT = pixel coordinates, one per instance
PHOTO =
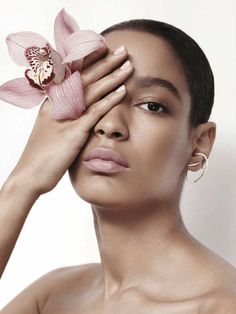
(101, 131)
(117, 134)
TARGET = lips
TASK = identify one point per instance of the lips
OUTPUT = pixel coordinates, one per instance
(106, 154)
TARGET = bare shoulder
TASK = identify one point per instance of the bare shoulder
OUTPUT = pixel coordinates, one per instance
(221, 299)
(34, 298)
(225, 295)
(70, 274)
(217, 293)
(209, 281)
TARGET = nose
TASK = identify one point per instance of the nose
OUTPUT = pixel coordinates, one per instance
(114, 124)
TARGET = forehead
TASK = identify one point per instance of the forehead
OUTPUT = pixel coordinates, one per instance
(150, 55)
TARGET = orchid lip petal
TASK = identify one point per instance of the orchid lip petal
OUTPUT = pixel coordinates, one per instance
(18, 42)
(81, 43)
(19, 93)
(67, 98)
(41, 63)
(30, 75)
(64, 26)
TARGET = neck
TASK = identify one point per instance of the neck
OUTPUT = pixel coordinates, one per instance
(135, 245)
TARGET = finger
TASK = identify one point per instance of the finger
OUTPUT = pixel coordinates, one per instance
(102, 67)
(93, 57)
(96, 91)
(95, 112)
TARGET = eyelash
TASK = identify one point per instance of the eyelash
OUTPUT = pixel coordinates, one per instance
(164, 108)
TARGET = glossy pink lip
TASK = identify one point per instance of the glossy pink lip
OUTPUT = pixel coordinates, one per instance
(106, 154)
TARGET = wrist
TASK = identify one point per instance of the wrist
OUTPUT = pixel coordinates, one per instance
(20, 184)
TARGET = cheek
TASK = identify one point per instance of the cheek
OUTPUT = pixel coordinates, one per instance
(163, 149)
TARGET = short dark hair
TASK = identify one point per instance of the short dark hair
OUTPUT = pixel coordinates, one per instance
(195, 64)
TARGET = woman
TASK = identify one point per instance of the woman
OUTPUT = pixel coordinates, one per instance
(152, 132)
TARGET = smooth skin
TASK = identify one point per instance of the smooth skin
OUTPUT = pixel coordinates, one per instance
(149, 261)
(52, 147)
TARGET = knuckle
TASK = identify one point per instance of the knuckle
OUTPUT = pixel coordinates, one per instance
(97, 90)
(93, 90)
(105, 61)
(94, 109)
(87, 90)
(118, 75)
(106, 100)
(114, 74)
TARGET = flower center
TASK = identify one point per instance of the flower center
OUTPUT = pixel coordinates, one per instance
(41, 72)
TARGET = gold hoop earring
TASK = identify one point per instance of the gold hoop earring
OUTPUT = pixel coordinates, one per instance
(197, 163)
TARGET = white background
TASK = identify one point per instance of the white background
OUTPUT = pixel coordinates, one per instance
(59, 230)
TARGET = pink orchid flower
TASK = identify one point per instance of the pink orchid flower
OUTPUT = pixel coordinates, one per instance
(51, 73)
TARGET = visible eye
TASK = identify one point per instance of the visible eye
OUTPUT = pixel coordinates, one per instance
(155, 107)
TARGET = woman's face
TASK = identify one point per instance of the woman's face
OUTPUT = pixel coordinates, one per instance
(155, 142)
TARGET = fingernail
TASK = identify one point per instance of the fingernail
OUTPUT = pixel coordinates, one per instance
(126, 65)
(119, 50)
(120, 89)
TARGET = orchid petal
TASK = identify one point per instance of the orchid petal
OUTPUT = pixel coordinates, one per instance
(18, 42)
(19, 93)
(68, 71)
(64, 26)
(81, 43)
(59, 69)
(83, 63)
(67, 98)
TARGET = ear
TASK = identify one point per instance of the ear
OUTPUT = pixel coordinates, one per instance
(203, 138)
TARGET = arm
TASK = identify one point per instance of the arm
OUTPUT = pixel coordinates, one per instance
(52, 291)
(51, 149)
(15, 204)
(53, 146)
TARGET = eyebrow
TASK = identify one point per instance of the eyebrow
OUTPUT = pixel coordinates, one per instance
(150, 81)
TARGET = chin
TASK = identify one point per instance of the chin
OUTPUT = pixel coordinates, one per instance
(110, 191)
(98, 189)
(99, 192)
